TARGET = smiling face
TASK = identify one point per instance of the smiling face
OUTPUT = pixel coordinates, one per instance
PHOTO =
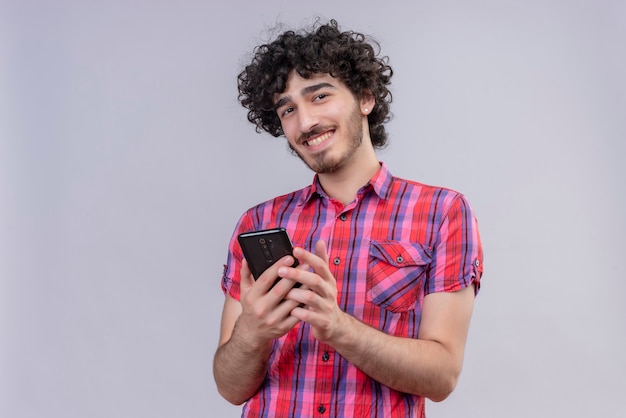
(324, 123)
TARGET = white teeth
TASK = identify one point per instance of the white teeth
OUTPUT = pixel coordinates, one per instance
(318, 140)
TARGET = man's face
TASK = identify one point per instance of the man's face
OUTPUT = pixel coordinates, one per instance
(322, 121)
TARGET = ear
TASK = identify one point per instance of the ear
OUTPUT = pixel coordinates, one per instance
(367, 103)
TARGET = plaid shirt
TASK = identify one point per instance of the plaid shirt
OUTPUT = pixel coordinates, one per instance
(396, 243)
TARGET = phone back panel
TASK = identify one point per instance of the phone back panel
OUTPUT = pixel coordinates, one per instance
(263, 248)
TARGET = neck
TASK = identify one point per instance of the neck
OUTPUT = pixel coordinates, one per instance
(344, 184)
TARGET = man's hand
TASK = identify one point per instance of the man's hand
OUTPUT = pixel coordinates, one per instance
(248, 327)
(318, 293)
(427, 366)
(265, 312)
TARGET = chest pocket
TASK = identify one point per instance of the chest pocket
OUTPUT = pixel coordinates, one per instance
(395, 273)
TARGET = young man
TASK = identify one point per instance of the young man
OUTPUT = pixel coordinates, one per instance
(389, 268)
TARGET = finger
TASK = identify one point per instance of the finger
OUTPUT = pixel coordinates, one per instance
(303, 297)
(282, 312)
(268, 277)
(321, 250)
(302, 313)
(304, 266)
(247, 280)
(318, 261)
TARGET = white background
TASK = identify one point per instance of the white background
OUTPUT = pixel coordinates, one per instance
(125, 161)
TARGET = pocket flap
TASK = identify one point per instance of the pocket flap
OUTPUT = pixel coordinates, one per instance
(401, 253)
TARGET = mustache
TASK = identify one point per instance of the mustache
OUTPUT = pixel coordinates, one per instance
(313, 132)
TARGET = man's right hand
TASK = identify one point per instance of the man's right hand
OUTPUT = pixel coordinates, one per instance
(265, 313)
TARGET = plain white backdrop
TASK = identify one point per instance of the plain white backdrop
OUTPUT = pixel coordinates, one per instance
(125, 161)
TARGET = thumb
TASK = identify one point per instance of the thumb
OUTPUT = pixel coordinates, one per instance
(321, 251)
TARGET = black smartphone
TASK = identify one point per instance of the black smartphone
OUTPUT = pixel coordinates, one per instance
(263, 248)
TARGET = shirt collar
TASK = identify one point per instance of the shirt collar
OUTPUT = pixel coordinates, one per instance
(380, 183)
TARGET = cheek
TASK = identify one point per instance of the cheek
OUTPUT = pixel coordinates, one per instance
(289, 132)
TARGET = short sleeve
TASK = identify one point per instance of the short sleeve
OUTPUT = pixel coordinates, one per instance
(231, 277)
(458, 254)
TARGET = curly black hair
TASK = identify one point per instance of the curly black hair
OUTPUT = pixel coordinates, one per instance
(324, 49)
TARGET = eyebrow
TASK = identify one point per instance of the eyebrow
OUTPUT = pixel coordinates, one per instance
(303, 92)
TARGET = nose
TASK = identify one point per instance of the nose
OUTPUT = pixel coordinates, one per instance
(308, 119)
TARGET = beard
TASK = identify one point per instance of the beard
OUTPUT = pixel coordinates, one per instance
(323, 163)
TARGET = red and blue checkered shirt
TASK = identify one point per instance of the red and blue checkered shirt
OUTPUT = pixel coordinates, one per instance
(397, 242)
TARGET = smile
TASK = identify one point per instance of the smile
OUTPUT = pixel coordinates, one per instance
(318, 140)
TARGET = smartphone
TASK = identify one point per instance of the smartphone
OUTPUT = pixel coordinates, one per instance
(263, 248)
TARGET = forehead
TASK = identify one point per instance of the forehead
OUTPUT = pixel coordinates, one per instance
(295, 78)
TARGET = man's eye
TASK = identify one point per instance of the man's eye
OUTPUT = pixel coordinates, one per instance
(321, 96)
(287, 111)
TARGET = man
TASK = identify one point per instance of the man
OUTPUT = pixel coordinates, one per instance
(388, 268)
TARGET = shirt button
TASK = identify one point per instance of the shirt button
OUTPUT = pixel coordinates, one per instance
(325, 356)
(336, 261)
(321, 409)
(343, 217)
(400, 259)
